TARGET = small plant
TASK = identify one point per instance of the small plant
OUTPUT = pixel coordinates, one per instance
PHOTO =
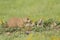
(1, 26)
(1, 29)
(48, 24)
(10, 29)
(38, 29)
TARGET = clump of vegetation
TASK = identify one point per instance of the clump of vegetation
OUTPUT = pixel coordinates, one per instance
(38, 26)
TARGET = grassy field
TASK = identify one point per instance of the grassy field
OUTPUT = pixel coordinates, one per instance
(34, 9)
(46, 35)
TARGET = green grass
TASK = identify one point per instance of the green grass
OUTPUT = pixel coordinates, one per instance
(34, 9)
(46, 35)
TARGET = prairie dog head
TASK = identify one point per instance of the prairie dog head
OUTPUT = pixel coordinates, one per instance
(26, 20)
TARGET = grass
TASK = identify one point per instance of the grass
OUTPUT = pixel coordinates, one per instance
(34, 9)
(46, 35)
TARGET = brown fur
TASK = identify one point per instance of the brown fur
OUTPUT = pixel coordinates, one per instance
(14, 22)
